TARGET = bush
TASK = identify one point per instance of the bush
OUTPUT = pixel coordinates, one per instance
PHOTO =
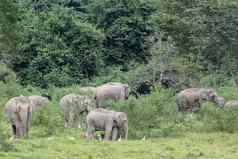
(47, 121)
(217, 119)
(6, 74)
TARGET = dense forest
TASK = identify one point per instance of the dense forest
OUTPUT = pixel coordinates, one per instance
(158, 47)
(65, 42)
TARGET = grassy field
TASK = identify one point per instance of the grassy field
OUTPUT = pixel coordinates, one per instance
(210, 134)
(70, 145)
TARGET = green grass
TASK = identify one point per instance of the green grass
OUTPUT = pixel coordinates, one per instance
(70, 145)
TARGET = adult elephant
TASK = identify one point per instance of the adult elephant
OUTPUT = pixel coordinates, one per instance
(38, 101)
(74, 108)
(111, 91)
(190, 100)
(19, 111)
(114, 124)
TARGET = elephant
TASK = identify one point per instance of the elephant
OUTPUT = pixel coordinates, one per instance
(74, 108)
(231, 104)
(19, 111)
(190, 100)
(114, 124)
(38, 101)
(111, 91)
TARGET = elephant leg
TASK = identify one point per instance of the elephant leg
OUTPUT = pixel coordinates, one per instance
(90, 132)
(20, 129)
(108, 132)
(66, 121)
(115, 133)
(71, 121)
(99, 104)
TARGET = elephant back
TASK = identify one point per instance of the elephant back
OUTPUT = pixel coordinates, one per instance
(110, 91)
(231, 104)
(37, 101)
(77, 101)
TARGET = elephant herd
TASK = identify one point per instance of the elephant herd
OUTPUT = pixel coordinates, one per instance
(77, 110)
(88, 110)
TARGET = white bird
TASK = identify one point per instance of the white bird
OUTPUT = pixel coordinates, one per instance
(143, 139)
(119, 138)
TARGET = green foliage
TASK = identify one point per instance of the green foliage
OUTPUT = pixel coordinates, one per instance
(127, 25)
(4, 144)
(50, 119)
(8, 26)
(216, 119)
(6, 74)
(57, 49)
(204, 31)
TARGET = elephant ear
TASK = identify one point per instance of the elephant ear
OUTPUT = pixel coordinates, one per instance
(119, 118)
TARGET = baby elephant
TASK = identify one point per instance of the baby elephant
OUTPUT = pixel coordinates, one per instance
(114, 124)
(231, 104)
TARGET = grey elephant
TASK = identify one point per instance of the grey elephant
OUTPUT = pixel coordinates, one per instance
(231, 104)
(19, 111)
(190, 100)
(111, 91)
(38, 101)
(75, 108)
(114, 124)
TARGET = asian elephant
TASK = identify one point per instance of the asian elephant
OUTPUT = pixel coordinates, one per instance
(231, 104)
(19, 111)
(38, 101)
(111, 91)
(190, 100)
(75, 107)
(114, 124)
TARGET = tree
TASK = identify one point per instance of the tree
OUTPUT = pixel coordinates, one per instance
(203, 31)
(127, 25)
(8, 26)
(57, 49)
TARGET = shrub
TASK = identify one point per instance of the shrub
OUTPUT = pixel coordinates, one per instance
(217, 119)
(6, 74)
(48, 120)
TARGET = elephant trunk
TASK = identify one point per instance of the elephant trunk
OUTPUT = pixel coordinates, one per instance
(125, 130)
(220, 101)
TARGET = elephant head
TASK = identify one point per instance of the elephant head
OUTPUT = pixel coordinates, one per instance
(121, 121)
(127, 91)
(220, 101)
(211, 95)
